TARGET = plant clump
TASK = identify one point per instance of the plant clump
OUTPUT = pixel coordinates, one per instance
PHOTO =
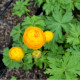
(50, 41)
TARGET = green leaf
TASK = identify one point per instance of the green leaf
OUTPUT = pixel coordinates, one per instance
(13, 78)
(39, 2)
(5, 51)
(53, 50)
(35, 21)
(77, 4)
(42, 60)
(59, 22)
(67, 17)
(64, 5)
(56, 52)
(24, 47)
(74, 50)
(16, 32)
(27, 62)
(74, 35)
(49, 45)
(66, 68)
(48, 7)
(20, 7)
(8, 62)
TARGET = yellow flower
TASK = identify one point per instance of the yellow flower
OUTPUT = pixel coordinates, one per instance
(49, 35)
(16, 53)
(34, 37)
(36, 53)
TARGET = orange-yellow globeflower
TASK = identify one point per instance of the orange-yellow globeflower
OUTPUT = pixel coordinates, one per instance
(16, 53)
(34, 37)
(49, 35)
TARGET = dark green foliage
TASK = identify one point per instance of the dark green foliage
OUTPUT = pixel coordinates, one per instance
(35, 21)
(66, 68)
(20, 7)
(58, 22)
(65, 5)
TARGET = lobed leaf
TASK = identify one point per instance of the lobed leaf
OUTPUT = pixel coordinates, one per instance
(20, 7)
(35, 21)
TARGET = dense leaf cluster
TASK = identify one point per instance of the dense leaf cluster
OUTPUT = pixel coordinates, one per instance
(65, 5)
(61, 57)
(20, 7)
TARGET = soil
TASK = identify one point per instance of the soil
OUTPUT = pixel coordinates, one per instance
(35, 73)
(5, 38)
(3, 4)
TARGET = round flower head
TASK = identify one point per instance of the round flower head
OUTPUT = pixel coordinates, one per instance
(34, 37)
(36, 53)
(49, 35)
(16, 53)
